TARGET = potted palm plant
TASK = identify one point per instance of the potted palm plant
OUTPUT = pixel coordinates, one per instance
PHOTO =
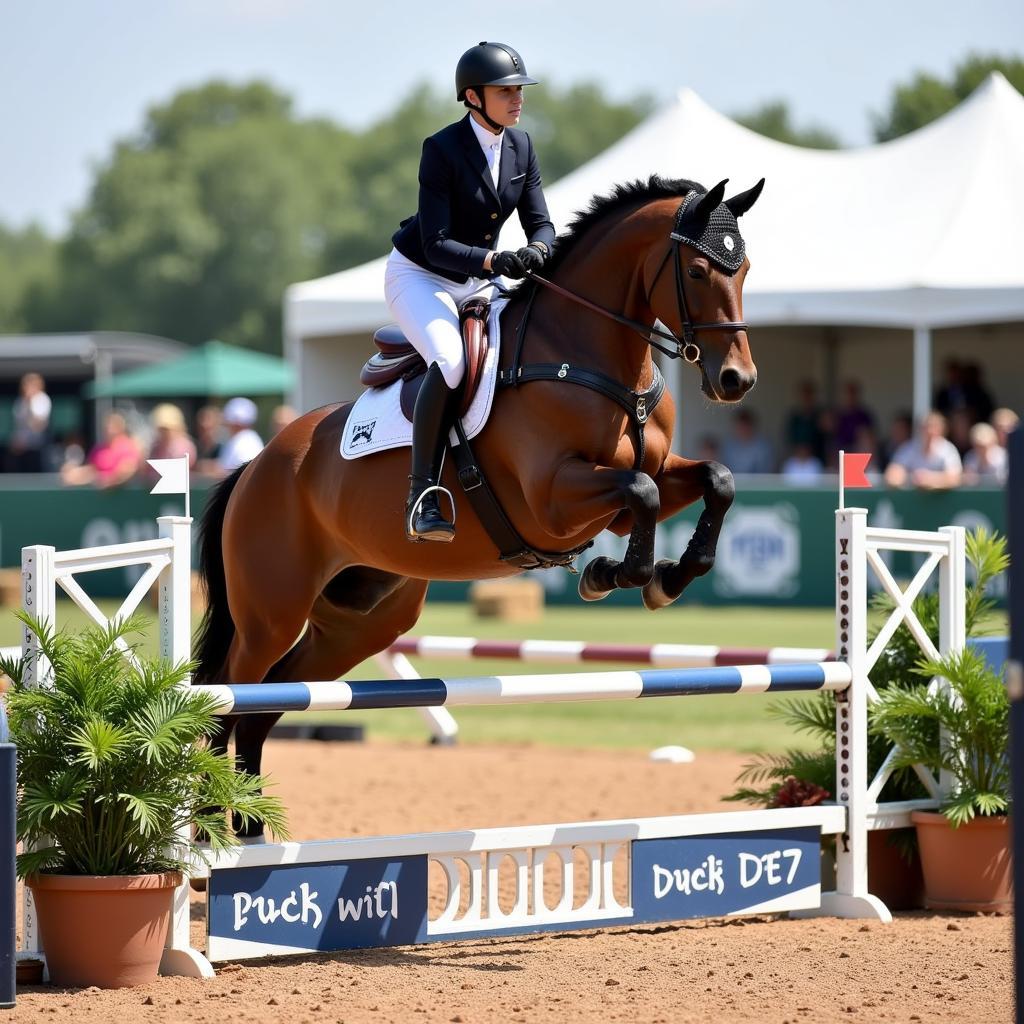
(112, 768)
(961, 729)
(772, 779)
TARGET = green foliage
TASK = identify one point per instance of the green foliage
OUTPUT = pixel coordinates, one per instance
(972, 717)
(774, 120)
(112, 761)
(898, 668)
(927, 97)
(27, 261)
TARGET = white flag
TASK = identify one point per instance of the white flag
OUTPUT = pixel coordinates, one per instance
(173, 476)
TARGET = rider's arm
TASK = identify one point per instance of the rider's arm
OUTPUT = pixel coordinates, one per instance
(532, 207)
(437, 184)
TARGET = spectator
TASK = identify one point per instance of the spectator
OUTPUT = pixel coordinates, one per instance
(979, 400)
(208, 432)
(986, 462)
(952, 395)
(243, 443)
(112, 462)
(803, 466)
(281, 417)
(747, 451)
(708, 449)
(960, 423)
(901, 430)
(172, 440)
(804, 426)
(853, 417)
(930, 462)
(1005, 421)
(31, 426)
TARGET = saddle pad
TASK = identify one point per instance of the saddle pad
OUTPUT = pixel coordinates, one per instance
(376, 422)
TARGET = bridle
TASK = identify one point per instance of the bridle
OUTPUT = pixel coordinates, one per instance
(686, 347)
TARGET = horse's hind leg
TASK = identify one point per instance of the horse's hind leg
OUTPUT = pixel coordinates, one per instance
(681, 483)
(361, 612)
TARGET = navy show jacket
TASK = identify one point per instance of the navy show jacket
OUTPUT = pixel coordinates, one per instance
(461, 212)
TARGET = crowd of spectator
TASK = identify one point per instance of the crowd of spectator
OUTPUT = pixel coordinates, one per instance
(223, 439)
(961, 441)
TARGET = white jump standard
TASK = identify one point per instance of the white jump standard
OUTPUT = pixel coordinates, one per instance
(353, 893)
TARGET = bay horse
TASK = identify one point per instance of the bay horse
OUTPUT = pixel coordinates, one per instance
(304, 554)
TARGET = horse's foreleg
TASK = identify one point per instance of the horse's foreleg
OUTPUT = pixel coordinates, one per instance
(680, 483)
(588, 493)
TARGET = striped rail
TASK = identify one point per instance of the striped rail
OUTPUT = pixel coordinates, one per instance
(365, 695)
(576, 651)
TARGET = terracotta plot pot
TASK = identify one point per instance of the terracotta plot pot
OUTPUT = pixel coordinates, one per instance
(966, 868)
(104, 930)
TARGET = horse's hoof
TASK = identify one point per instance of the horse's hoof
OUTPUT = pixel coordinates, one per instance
(197, 884)
(589, 594)
(654, 594)
(591, 586)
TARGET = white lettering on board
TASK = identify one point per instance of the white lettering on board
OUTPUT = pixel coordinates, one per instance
(752, 867)
(706, 878)
(290, 910)
(378, 901)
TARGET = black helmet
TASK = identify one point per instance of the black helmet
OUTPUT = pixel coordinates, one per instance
(490, 64)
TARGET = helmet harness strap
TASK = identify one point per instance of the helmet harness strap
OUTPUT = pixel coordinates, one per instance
(482, 109)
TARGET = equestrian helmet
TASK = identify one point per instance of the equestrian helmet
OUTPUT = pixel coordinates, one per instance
(490, 64)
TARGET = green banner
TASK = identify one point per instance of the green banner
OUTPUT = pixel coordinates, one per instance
(776, 547)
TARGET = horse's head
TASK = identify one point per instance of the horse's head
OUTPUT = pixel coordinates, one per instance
(696, 289)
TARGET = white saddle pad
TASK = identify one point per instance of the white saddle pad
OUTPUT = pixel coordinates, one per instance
(376, 422)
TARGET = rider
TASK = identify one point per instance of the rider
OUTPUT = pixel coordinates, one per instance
(473, 174)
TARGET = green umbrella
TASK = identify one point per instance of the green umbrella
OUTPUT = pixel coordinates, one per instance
(213, 369)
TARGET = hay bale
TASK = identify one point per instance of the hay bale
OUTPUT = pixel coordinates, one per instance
(10, 588)
(519, 600)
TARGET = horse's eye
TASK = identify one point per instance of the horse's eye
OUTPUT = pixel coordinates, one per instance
(696, 273)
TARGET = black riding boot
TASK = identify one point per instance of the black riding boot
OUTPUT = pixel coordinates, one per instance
(430, 423)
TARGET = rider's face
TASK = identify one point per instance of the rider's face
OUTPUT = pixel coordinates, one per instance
(504, 103)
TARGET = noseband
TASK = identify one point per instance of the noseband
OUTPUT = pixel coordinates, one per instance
(686, 347)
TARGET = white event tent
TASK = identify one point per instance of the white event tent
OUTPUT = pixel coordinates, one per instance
(871, 263)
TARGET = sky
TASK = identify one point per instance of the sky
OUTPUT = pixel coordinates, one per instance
(79, 74)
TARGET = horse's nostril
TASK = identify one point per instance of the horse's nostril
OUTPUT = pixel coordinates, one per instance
(730, 381)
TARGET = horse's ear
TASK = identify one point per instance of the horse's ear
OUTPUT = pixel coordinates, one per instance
(710, 201)
(745, 200)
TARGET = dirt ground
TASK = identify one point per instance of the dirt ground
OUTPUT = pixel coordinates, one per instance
(923, 967)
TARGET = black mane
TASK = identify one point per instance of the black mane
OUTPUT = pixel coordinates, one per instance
(632, 193)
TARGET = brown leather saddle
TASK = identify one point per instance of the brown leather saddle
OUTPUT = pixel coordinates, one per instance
(396, 359)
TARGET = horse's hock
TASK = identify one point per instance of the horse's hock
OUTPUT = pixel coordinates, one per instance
(518, 600)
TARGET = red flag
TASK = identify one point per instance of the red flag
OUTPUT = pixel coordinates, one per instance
(854, 465)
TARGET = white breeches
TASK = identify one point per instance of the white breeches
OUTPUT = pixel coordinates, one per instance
(426, 306)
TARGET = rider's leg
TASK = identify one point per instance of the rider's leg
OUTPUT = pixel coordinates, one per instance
(430, 423)
(424, 305)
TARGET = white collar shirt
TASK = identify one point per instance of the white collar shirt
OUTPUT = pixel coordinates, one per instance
(491, 145)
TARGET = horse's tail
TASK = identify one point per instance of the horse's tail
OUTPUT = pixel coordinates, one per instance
(217, 629)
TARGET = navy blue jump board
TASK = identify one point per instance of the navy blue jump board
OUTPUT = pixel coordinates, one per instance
(383, 901)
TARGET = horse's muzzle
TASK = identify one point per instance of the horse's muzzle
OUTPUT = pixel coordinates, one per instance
(733, 384)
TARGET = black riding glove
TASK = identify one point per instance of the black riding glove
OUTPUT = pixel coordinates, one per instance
(508, 264)
(531, 258)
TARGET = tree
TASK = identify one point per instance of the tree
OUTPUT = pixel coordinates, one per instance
(27, 260)
(195, 225)
(926, 97)
(773, 120)
(194, 228)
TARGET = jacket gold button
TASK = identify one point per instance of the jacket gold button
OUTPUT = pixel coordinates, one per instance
(487, 238)
(494, 216)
